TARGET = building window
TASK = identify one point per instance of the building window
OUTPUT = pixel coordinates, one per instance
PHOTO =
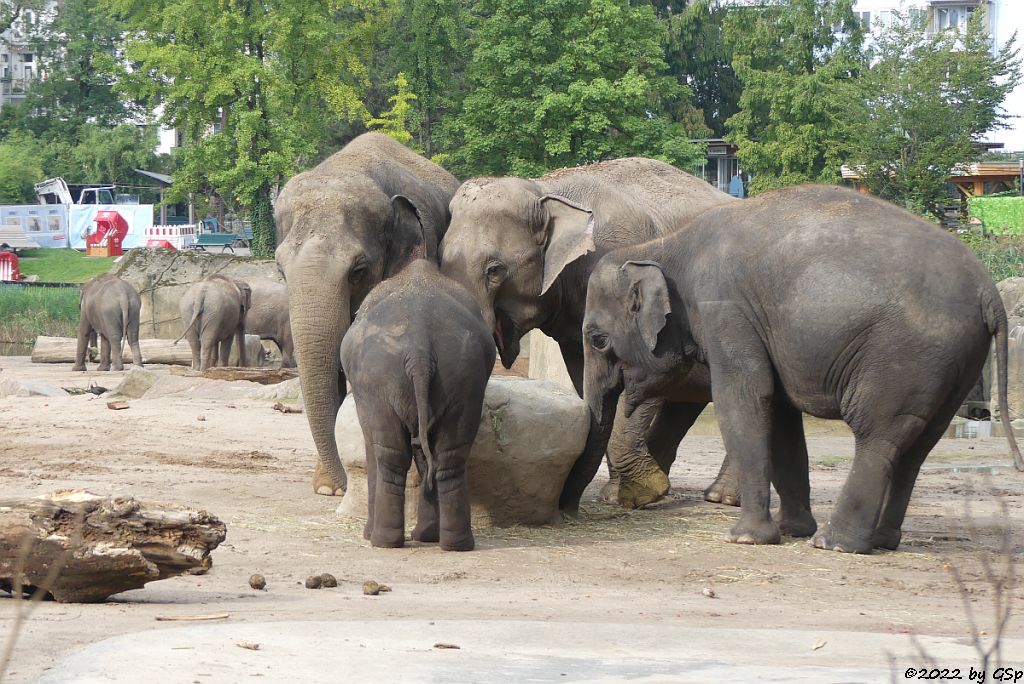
(28, 73)
(955, 17)
(865, 18)
(27, 58)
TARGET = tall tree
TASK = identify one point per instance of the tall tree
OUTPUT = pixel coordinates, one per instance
(563, 82)
(253, 85)
(799, 61)
(929, 101)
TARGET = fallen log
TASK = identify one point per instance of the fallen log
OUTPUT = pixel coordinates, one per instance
(62, 350)
(264, 376)
(98, 546)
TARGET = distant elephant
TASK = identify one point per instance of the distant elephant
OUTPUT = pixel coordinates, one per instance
(213, 311)
(341, 236)
(418, 357)
(525, 249)
(808, 299)
(268, 317)
(109, 307)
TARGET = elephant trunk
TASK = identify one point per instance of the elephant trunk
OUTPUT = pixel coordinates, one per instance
(318, 323)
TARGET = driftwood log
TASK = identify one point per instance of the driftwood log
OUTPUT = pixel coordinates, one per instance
(264, 376)
(62, 350)
(98, 546)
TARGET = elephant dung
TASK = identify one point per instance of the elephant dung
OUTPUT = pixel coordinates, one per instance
(531, 432)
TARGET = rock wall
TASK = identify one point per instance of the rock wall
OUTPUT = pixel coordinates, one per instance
(162, 277)
(546, 360)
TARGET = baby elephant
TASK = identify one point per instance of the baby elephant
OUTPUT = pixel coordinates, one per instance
(213, 311)
(269, 319)
(108, 306)
(418, 357)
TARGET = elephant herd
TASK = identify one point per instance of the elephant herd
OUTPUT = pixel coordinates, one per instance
(216, 312)
(663, 295)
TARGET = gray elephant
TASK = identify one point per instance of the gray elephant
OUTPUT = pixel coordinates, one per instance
(340, 236)
(109, 307)
(418, 357)
(525, 249)
(268, 317)
(808, 299)
(213, 312)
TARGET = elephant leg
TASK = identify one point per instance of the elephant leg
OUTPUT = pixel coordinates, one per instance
(133, 340)
(208, 347)
(116, 339)
(371, 486)
(225, 352)
(240, 340)
(888, 532)
(84, 332)
(640, 480)
(393, 461)
(453, 495)
(104, 354)
(726, 487)
(790, 471)
(428, 513)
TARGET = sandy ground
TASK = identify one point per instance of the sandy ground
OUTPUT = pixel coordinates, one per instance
(251, 466)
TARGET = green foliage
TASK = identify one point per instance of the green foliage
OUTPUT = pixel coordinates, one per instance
(254, 85)
(800, 94)
(21, 166)
(928, 102)
(27, 312)
(62, 265)
(999, 215)
(395, 121)
(563, 82)
(1003, 255)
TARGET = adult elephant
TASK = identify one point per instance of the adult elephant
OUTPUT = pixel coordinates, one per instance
(109, 307)
(213, 311)
(341, 234)
(525, 249)
(269, 319)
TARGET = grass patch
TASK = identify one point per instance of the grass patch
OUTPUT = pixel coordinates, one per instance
(1003, 255)
(62, 265)
(27, 312)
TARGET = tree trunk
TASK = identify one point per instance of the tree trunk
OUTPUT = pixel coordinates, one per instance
(261, 214)
(79, 547)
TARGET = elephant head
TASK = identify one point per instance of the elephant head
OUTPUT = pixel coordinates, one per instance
(343, 236)
(634, 339)
(507, 244)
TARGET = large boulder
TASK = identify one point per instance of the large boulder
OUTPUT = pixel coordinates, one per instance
(546, 360)
(531, 432)
(162, 276)
(1011, 291)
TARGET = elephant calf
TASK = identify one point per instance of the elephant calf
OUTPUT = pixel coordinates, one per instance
(418, 357)
(269, 319)
(213, 310)
(109, 307)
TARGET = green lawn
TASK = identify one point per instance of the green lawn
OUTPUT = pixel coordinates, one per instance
(62, 265)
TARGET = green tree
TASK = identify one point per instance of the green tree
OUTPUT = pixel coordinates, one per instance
(929, 101)
(799, 61)
(395, 121)
(21, 166)
(254, 85)
(562, 82)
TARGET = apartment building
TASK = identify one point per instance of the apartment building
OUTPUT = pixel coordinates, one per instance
(19, 65)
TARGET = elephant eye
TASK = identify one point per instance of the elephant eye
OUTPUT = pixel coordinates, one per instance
(357, 273)
(599, 341)
(494, 270)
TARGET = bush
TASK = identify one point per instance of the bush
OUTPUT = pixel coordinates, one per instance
(1001, 215)
(1003, 255)
(27, 312)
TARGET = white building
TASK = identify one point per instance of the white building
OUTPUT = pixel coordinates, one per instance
(18, 64)
(1004, 17)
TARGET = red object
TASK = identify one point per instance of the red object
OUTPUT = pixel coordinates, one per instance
(111, 230)
(160, 243)
(9, 266)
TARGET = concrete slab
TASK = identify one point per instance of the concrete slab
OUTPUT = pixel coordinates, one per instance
(504, 651)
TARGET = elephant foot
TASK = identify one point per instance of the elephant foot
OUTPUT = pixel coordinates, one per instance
(428, 534)
(460, 543)
(78, 367)
(723, 492)
(750, 532)
(801, 524)
(886, 538)
(830, 538)
(138, 366)
(645, 490)
(103, 367)
(323, 483)
(610, 491)
(387, 538)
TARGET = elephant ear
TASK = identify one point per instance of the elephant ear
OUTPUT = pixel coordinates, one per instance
(648, 300)
(568, 234)
(405, 239)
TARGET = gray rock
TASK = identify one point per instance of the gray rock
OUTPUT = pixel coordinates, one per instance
(530, 434)
(17, 387)
(136, 383)
(1011, 291)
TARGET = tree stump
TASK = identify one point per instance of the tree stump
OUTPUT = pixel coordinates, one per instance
(101, 545)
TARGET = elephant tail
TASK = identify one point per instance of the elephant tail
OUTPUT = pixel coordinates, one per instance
(195, 317)
(421, 371)
(124, 326)
(995, 316)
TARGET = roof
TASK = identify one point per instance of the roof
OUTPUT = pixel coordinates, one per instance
(158, 177)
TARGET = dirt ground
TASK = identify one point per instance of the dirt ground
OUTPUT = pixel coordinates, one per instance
(251, 466)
